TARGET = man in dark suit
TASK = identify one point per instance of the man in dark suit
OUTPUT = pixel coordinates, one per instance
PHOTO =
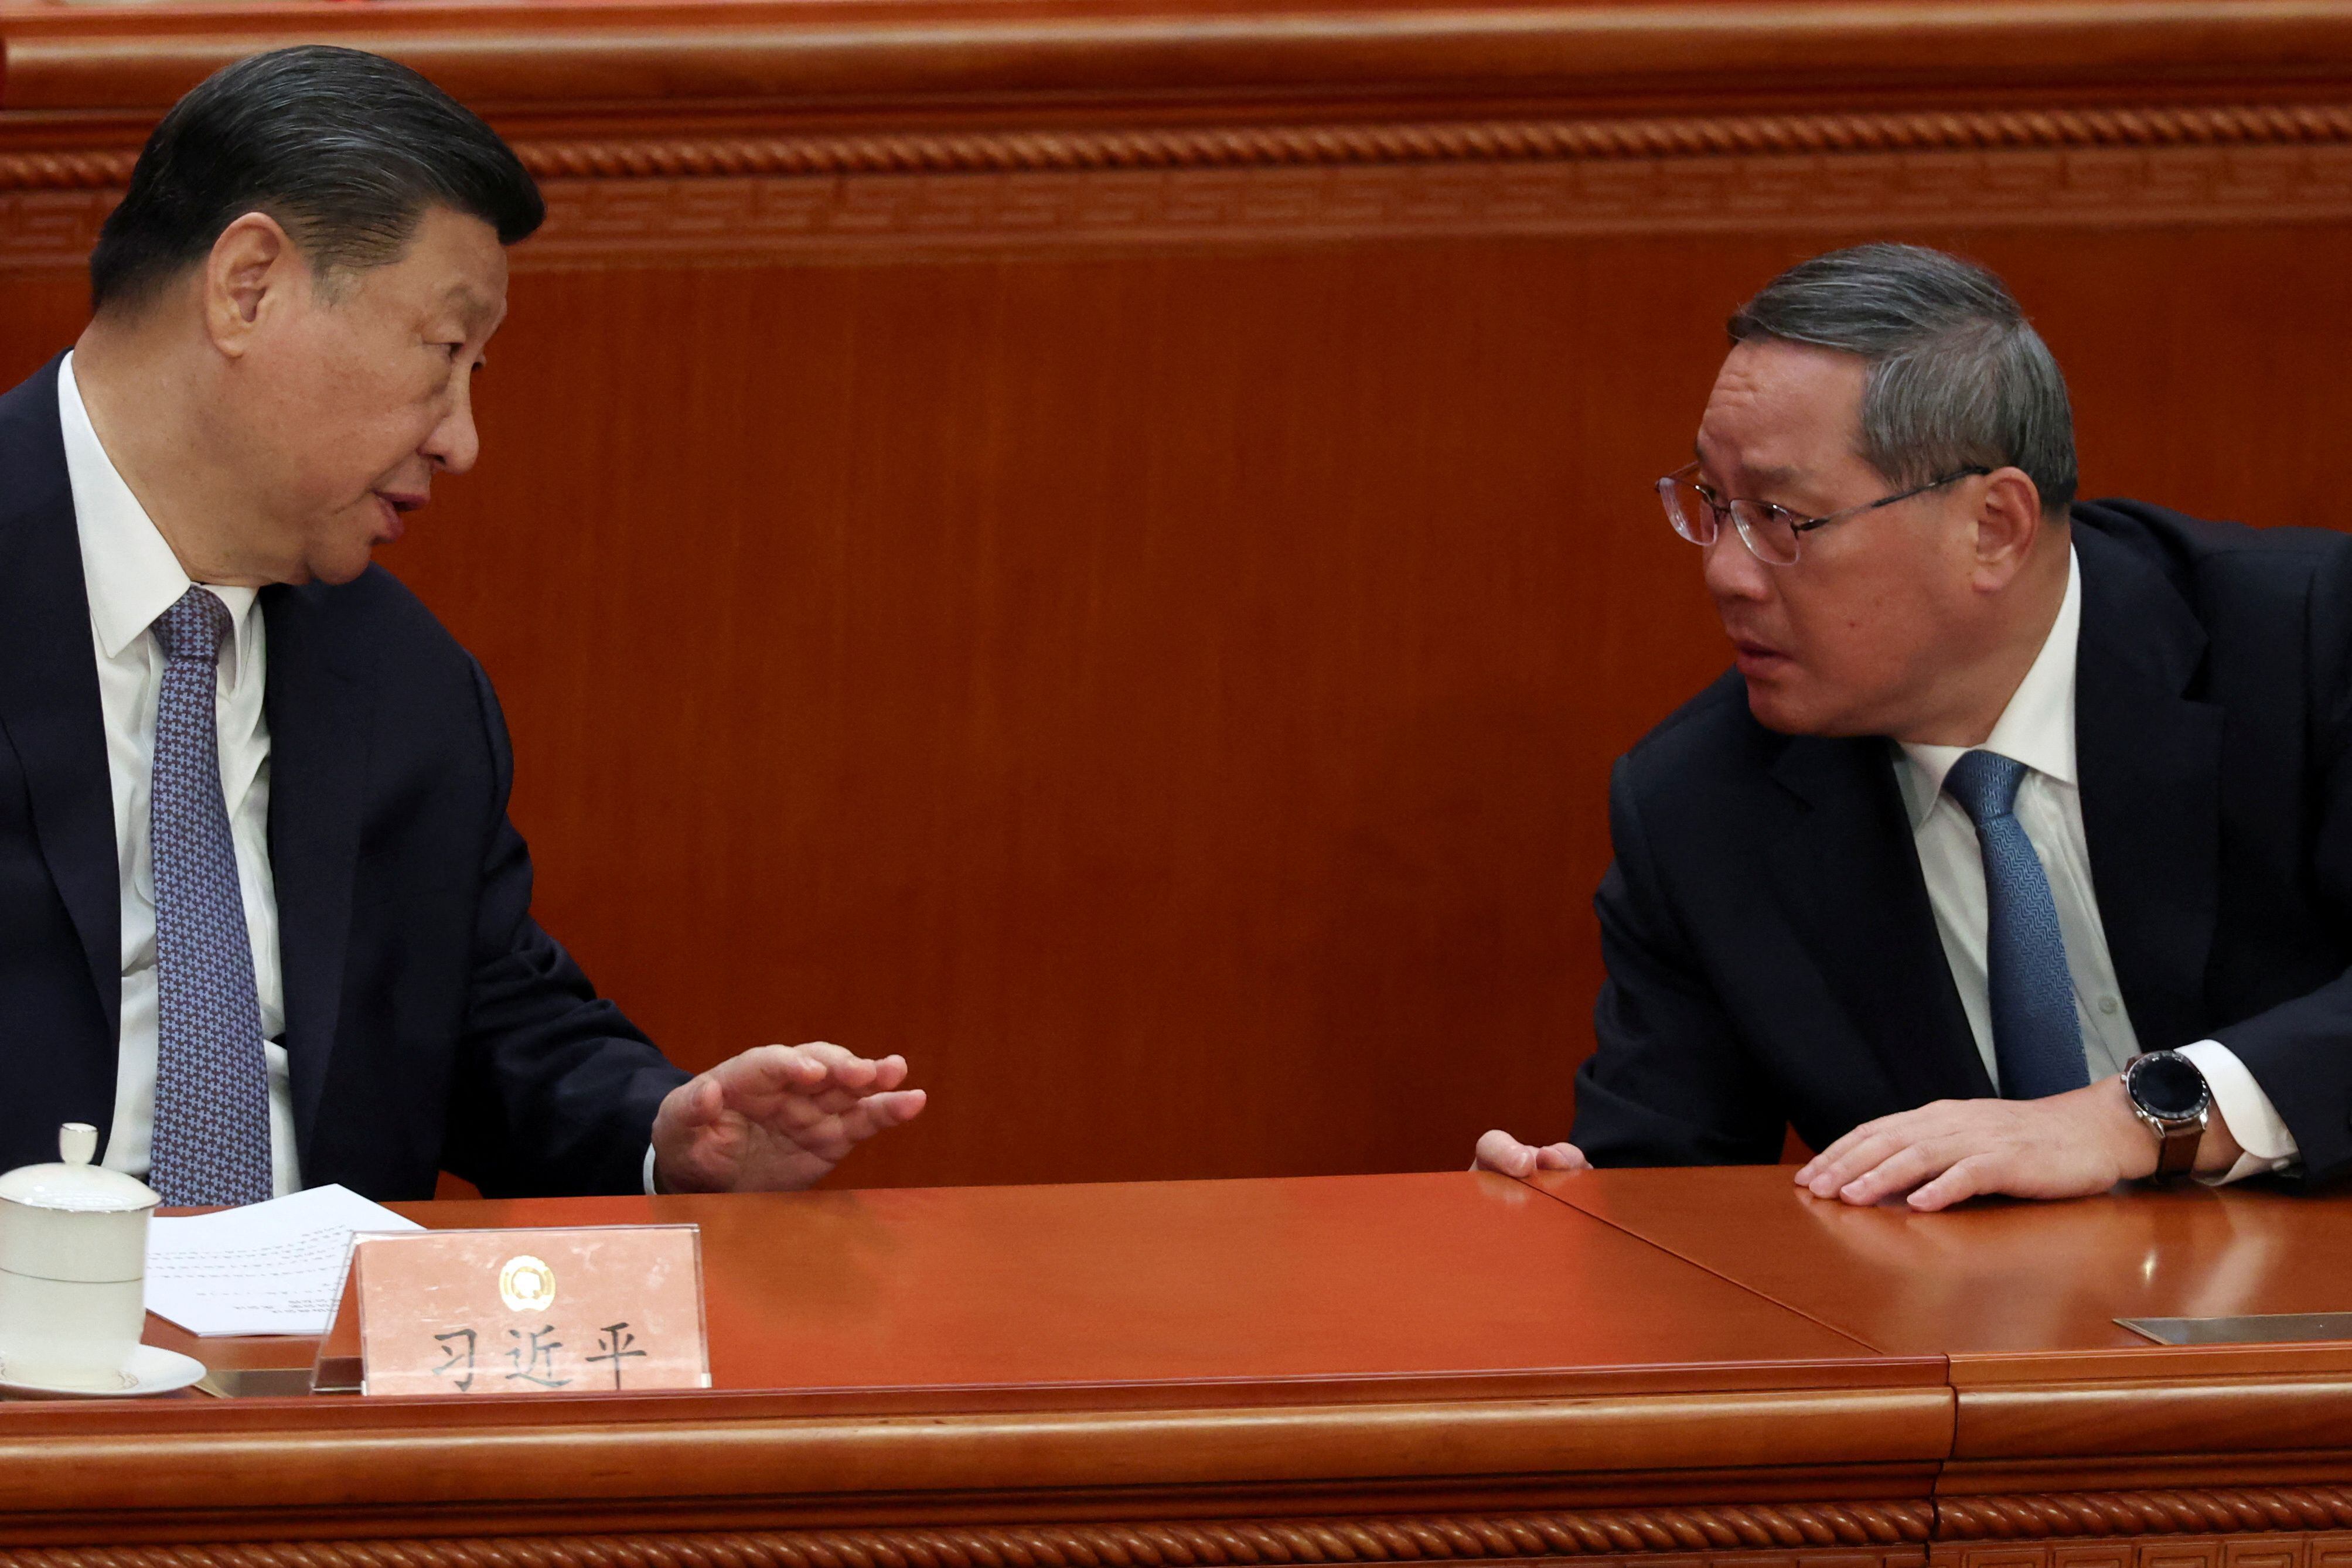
(263, 919)
(2015, 854)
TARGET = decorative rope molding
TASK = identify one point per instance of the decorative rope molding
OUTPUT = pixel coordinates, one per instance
(1492, 140)
(1780, 1527)
(65, 171)
(1889, 1528)
(2220, 1510)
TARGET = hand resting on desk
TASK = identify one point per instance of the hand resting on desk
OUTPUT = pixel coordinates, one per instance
(1498, 1150)
(2065, 1146)
(776, 1119)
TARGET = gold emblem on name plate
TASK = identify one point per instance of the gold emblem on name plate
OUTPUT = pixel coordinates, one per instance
(527, 1285)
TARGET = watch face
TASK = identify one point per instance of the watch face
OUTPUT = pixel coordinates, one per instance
(2168, 1086)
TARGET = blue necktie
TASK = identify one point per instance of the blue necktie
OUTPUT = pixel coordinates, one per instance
(211, 1088)
(2036, 1038)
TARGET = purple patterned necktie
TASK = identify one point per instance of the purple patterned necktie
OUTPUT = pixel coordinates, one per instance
(212, 1090)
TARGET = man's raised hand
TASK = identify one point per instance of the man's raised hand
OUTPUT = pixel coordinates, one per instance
(776, 1119)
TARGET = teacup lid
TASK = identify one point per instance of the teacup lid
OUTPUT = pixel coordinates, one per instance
(76, 1183)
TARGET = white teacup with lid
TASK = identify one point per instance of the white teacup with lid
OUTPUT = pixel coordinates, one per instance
(73, 1267)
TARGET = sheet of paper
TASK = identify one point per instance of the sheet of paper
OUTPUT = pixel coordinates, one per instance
(266, 1268)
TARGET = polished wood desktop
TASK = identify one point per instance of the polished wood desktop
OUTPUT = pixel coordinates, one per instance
(1660, 1368)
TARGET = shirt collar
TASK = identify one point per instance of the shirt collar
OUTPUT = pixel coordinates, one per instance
(129, 570)
(2037, 728)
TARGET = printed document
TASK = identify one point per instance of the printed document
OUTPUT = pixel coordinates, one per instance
(275, 1267)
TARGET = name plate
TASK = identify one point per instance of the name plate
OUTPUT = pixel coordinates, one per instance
(2247, 1328)
(587, 1310)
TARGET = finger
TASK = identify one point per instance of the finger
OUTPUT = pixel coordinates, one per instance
(832, 1099)
(840, 1065)
(1838, 1151)
(1903, 1170)
(877, 1112)
(1969, 1178)
(1878, 1141)
(1842, 1150)
(1867, 1154)
(1561, 1157)
(1498, 1150)
(805, 1071)
(770, 1068)
(689, 1108)
(705, 1102)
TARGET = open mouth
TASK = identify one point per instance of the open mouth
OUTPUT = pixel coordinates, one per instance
(394, 508)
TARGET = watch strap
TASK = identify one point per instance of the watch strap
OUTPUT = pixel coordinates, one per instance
(2176, 1151)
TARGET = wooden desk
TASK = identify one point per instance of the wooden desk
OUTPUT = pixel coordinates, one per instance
(1669, 1369)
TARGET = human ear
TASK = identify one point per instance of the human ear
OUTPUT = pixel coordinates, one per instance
(2008, 523)
(252, 266)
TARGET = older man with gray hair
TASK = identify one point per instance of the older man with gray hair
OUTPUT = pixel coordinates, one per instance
(2014, 855)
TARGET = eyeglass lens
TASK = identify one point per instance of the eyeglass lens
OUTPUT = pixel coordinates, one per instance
(1766, 530)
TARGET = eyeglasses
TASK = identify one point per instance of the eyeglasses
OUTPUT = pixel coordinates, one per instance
(1771, 532)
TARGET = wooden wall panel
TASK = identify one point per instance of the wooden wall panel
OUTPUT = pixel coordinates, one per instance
(1139, 619)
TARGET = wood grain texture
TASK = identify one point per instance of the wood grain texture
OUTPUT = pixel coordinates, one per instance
(681, 55)
(1108, 548)
(1185, 1286)
(1979, 1284)
(2053, 1395)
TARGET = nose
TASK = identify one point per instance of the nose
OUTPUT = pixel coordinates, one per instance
(1732, 572)
(454, 444)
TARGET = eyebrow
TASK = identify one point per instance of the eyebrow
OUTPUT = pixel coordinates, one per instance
(1767, 477)
(473, 306)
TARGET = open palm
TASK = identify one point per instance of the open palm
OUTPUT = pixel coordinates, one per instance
(776, 1118)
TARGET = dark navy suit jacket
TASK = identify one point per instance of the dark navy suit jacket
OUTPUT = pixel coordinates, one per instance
(1772, 957)
(430, 1023)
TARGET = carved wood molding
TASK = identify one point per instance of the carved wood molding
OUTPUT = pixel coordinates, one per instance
(1287, 146)
(696, 198)
(1487, 140)
(1898, 1527)
(2215, 1511)
(1895, 1531)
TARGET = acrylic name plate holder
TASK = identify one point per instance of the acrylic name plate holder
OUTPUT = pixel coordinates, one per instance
(463, 1313)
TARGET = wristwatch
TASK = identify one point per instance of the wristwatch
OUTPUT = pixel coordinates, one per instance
(2169, 1094)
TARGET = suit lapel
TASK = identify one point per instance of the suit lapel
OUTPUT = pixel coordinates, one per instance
(1852, 885)
(318, 709)
(2150, 761)
(48, 682)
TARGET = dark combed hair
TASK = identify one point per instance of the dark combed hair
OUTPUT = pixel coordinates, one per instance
(1957, 377)
(346, 149)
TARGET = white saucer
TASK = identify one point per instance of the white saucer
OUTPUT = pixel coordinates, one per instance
(153, 1370)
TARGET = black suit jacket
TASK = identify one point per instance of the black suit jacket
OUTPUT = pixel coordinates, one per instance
(430, 1024)
(1772, 957)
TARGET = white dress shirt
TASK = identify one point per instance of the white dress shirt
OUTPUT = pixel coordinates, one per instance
(2037, 729)
(132, 577)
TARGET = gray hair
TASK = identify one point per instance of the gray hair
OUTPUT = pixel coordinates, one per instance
(1957, 377)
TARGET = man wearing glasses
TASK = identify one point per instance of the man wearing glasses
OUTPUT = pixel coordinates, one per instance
(2015, 854)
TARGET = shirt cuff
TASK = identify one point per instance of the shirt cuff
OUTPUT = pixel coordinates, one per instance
(651, 1189)
(2243, 1109)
